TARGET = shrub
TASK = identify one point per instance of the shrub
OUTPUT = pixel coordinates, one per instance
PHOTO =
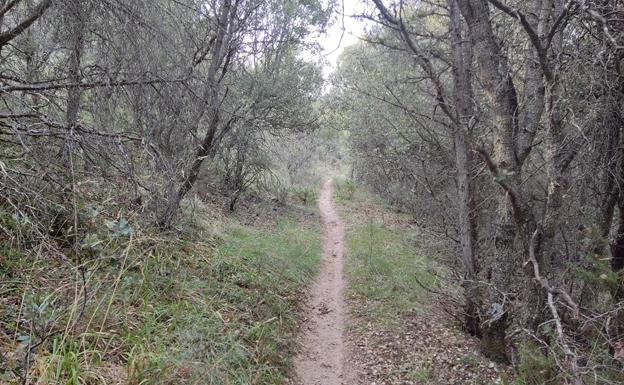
(304, 195)
(345, 189)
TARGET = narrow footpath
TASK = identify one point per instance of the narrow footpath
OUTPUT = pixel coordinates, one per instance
(321, 360)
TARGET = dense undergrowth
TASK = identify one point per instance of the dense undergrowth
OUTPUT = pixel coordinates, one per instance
(403, 331)
(389, 265)
(210, 306)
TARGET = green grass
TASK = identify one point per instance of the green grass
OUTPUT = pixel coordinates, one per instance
(179, 311)
(231, 320)
(344, 189)
(383, 269)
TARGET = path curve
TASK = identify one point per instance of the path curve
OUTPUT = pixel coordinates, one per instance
(322, 357)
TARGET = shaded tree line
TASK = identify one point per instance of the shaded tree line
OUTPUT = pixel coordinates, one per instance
(136, 97)
(113, 112)
(498, 125)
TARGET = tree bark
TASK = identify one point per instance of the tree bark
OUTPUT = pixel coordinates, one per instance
(461, 56)
(512, 212)
(77, 27)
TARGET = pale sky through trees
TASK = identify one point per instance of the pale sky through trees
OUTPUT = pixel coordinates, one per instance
(347, 27)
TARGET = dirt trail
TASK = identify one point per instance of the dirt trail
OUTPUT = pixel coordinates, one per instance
(322, 358)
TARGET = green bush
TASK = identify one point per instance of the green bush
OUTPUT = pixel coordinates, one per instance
(345, 189)
(304, 195)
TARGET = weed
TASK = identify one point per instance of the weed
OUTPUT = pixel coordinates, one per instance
(304, 195)
(424, 374)
(344, 189)
(471, 360)
(535, 367)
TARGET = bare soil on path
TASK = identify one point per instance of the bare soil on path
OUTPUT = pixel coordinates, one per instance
(339, 346)
(322, 358)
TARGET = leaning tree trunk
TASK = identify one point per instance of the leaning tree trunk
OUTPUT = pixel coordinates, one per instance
(219, 51)
(24, 24)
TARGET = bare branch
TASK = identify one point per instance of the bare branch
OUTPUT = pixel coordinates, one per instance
(39, 10)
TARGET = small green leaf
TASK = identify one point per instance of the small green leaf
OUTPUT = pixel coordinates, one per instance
(120, 228)
(92, 212)
(24, 339)
(91, 241)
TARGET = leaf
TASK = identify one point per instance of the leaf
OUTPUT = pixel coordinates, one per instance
(42, 307)
(495, 312)
(120, 228)
(20, 218)
(92, 212)
(24, 339)
(91, 241)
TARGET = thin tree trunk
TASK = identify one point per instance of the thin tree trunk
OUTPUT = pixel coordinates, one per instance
(462, 92)
(37, 12)
(204, 149)
(74, 92)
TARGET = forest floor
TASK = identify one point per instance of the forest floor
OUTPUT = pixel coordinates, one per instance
(222, 301)
(373, 323)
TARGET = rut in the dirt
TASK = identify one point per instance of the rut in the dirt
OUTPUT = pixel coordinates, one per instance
(322, 357)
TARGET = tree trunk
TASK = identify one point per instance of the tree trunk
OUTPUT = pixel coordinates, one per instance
(219, 52)
(462, 93)
(77, 26)
(37, 12)
(512, 212)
